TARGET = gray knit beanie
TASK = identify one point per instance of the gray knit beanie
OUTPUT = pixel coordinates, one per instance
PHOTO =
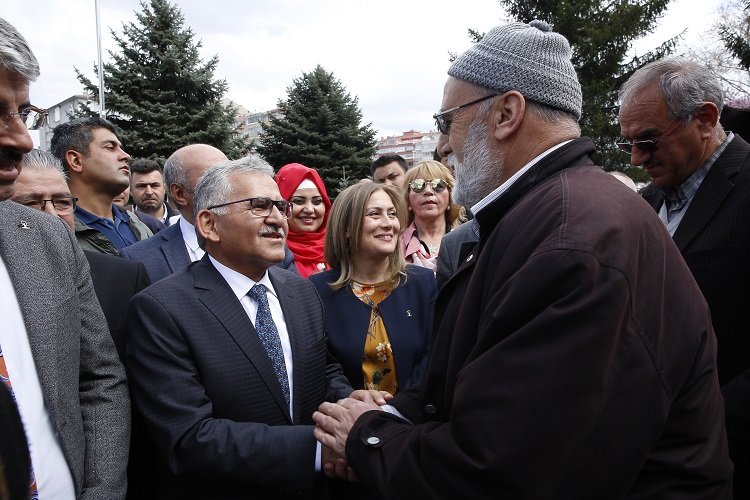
(529, 58)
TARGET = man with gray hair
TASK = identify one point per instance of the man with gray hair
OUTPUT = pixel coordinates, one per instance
(228, 357)
(173, 248)
(55, 352)
(700, 187)
(573, 354)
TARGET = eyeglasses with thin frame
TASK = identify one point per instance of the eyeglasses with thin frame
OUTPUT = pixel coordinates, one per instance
(647, 145)
(63, 205)
(261, 206)
(39, 117)
(419, 185)
(443, 125)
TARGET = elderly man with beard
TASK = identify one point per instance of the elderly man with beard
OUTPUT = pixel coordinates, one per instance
(574, 355)
(228, 358)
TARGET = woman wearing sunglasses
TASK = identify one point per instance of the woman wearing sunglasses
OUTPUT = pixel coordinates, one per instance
(304, 189)
(432, 213)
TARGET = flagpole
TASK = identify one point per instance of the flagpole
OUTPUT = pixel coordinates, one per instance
(99, 55)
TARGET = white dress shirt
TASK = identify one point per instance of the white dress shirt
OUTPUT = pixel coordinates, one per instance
(53, 477)
(191, 240)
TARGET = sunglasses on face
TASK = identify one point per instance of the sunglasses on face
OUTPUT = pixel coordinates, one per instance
(646, 145)
(437, 185)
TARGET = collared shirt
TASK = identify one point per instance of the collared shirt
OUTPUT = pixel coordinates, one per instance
(116, 230)
(241, 285)
(677, 201)
(191, 240)
(53, 477)
(502, 188)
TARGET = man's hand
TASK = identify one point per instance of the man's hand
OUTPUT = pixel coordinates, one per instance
(372, 396)
(334, 421)
(334, 466)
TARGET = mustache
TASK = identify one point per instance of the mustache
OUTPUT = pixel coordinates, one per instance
(271, 230)
(8, 155)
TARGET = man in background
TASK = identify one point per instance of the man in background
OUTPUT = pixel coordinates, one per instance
(147, 188)
(700, 188)
(389, 169)
(97, 169)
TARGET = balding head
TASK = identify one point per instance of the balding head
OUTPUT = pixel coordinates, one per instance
(182, 171)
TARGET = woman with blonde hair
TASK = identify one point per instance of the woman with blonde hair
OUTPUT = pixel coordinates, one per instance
(378, 309)
(432, 213)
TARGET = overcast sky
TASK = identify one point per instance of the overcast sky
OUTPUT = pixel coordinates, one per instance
(391, 54)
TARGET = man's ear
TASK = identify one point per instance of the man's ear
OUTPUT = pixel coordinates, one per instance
(205, 224)
(177, 194)
(507, 114)
(707, 117)
(74, 159)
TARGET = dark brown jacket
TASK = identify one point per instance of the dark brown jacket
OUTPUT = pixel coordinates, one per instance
(574, 358)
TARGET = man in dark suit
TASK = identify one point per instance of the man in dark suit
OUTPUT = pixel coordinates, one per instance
(228, 357)
(700, 187)
(68, 383)
(573, 354)
(172, 249)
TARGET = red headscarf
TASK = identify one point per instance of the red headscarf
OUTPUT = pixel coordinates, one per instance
(307, 247)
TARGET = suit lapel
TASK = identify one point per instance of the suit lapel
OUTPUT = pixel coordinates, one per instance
(712, 192)
(174, 250)
(295, 329)
(223, 304)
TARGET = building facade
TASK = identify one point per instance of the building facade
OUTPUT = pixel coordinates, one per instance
(412, 145)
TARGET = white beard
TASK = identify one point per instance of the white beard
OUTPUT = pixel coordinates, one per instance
(480, 172)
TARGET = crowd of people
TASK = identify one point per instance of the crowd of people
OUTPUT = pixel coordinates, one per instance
(506, 320)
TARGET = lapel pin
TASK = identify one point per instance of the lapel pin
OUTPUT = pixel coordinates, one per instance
(22, 224)
(408, 312)
(469, 257)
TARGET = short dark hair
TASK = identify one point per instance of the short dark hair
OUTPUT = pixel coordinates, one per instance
(76, 135)
(144, 166)
(387, 159)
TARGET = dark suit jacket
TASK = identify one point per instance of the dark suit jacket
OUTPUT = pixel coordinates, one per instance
(82, 380)
(573, 359)
(116, 280)
(208, 391)
(452, 250)
(714, 238)
(407, 314)
(165, 253)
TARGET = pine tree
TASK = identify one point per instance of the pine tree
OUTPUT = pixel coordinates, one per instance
(319, 125)
(159, 93)
(736, 35)
(600, 35)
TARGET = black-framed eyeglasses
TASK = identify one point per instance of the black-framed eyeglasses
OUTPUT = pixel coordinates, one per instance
(260, 206)
(647, 145)
(443, 125)
(419, 185)
(63, 205)
(38, 117)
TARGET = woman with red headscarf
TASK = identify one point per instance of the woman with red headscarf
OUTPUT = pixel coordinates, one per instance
(303, 187)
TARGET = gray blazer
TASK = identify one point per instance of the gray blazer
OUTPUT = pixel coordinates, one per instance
(82, 379)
